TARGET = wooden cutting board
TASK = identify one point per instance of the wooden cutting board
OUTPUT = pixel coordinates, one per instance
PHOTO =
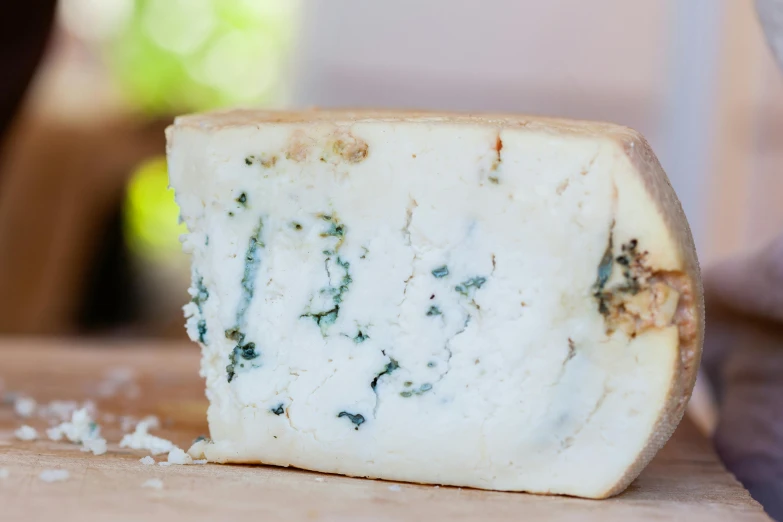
(684, 482)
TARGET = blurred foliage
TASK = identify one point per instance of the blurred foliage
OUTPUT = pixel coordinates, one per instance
(174, 56)
(151, 215)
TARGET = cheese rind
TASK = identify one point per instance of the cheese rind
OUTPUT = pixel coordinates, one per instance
(496, 302)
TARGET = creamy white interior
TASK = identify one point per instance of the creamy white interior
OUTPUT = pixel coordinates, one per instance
(514, 386)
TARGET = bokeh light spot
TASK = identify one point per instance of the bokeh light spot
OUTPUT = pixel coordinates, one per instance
(179, 26)
(151, 213)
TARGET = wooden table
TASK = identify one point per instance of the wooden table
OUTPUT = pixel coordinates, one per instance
(684, 482)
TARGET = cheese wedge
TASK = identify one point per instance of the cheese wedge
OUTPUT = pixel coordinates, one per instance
(499, 302)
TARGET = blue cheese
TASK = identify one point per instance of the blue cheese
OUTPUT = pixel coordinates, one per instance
(498, 302)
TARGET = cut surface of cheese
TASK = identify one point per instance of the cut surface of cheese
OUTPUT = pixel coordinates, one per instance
(499, 302)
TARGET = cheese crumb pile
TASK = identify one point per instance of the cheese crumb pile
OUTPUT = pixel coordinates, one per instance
(76, 425)
(80, 430)
(141, 439)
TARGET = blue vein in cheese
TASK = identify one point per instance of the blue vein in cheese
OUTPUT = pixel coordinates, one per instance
(467, 287)
(356, 418)
(252, 263)
(246, 351)
(327, 317)
(202, 294)
(441, 271)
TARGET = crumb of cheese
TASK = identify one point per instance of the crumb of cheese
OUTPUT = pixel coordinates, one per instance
(127, 423)
(197, 449)
(96, 446)
(25, 406)
(54, 475)
(177, 456)
(80, 428)
(152, 422)
(26, 433)
(141, 439)
(147, 461)
(153, 483)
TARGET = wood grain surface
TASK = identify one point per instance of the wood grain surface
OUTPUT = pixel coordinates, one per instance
(684, 482)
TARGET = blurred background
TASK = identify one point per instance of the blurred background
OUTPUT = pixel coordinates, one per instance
(88, 229)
